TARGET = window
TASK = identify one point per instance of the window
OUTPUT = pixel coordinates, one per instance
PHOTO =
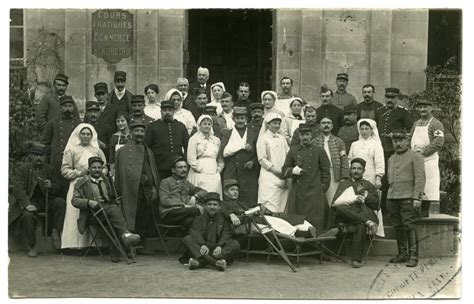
(17, 50)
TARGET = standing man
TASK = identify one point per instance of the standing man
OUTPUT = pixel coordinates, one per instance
(342, 98)
(349, 132)
(201, 83)
(94, 191)
(406, 178)
(167, 138)
(391, 117)
(201, 102)
(369, 106)
(336, 152)
(108, 112)
(227, 109)
(30, 184)
(137, 182)
(239, 149)
(210, 240)
(358, 210)
(256, 114)
(138, 111)
(55, 136)
(284, 98)
(120, 96)
(243, 94)
(182, 84)
(104, 131)
(308, 166)
(48, 107)
(311, 121)
(427, 138)
(328, 109)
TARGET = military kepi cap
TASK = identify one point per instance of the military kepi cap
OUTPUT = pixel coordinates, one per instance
(424, 102)
(230, 182)
(256, 105)
(304, 128)
(212, 196)
(66, 99)
(342, 76)
(37, 148)
(176, 159)
(100, 87)
(167, 104)
(398, 133)
(240, 111)
(135, 123)
(92, 106)
(391, 92)
(95, 159)
(210, 109)
(120, 75)
(138, 99)
(62, 77)
(349, 109)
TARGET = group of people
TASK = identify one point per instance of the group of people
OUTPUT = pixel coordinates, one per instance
(185, 159)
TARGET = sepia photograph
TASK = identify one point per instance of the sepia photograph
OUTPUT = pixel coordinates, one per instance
(234, 153)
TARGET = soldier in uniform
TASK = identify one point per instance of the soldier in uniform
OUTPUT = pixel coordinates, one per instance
(199, 104)
(108, 112)
(120, 96)
(391, 117)
(48, 107)
(56, 135)
(328, 109)
(406, 177)
(427, 138)
(342, 98)
(310, 119)
(167, 138)
(239, 150)
(349, 132)
(104, 131)
(256, 115)
(369, 106)
(138, 110)
(243, 94)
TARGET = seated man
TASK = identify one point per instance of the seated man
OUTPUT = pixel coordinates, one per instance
(29, 186)
(355, 201)
(234, 210)
(209, 240)
(95, 191)
(178, 197)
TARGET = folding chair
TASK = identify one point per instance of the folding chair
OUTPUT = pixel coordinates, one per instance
(44, 216)
(164, 229)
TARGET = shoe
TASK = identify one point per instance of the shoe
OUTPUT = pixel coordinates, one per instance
(412, 248)
(312, 231)
(193, 264)
(402, 256)
(33, 252)
(130, 239)
(330, 232)
(115, 259)
(356, 264)
(221, 265)
(372, 226)
(56, 236)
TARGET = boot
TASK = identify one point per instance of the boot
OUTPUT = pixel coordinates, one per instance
(412, 248)
(402, 256)
(425, 208)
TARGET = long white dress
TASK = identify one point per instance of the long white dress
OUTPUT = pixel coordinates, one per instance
(272, 191)
(206, 165)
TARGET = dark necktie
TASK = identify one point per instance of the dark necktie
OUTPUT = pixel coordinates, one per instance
(101, 192)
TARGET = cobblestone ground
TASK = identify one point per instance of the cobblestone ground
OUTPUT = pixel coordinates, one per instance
(155, 276)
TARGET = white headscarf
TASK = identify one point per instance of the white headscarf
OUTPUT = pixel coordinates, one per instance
(171, 92)
(373, 125)
(221, 84)
(302, 105)
(75, 141)
(200, 119)
(273, 93)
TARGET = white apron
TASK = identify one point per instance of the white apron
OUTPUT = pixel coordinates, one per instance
(209, 178)
(419, 140)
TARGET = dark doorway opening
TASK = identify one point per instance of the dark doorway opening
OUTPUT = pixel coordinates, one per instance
(235, 45)
(445, 38)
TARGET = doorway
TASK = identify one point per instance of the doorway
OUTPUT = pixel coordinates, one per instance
(235, 45)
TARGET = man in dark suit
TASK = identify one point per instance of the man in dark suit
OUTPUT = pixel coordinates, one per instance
(238, 147)
(120, 96)
(182, 84)
(30, 184)
(108, 112)
(95, 191)
(201, 83)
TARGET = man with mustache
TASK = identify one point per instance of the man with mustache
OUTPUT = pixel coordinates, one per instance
(284, 98)
(138, 106)
(406, 177)
(336, 152)
(167, 138)
(310, 117)
(202, 77)
(55, 136)
(369, 106)
(349, 132)
(389, 118)
(120, 96)
(137, 182)
(48, 107)
(30, 183)
(328, 109)
(427, 138)
(342, 98)
(256, 114)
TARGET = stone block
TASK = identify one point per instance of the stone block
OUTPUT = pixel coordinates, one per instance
(170, 59)
(146, 38)
(171, 25)
(289, 45)
(76, 38)
(357, 60)
(312, 21)
(345, 22)
(311, 59)
(380, 43)
(77, 18)
(283, 14)
(405, 63)
(410, 46)
(437, 236)
(171, 42)
(32, 18)
(410, 28)
(410, 14)
(172, 12)
(380, 64)
(309, 74)
(54, 19)
(146, 19)
(167, 76)
(146, 75)
(288, 60)
(75, 54)
(147, 56)
(311, 42)
(346, 43)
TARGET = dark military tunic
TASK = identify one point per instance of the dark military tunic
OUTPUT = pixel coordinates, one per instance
(255, 126)
(341, 100)
(368, 110)
(389, 120)
(144, 119)
(334, 113)
(123, 105)
(348, 134)
(307, 195)
(295, 140)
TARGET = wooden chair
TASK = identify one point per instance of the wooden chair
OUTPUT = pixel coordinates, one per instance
(163, 231)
